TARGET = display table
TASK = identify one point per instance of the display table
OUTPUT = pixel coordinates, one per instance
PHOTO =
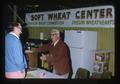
(42, 74)
(32, 58)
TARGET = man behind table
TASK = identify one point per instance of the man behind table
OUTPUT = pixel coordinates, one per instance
(59, 55)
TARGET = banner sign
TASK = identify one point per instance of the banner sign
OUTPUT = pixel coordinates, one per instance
(99, 16)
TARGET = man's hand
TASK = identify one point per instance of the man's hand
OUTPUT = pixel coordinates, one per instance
(28, 51)
(43, 57)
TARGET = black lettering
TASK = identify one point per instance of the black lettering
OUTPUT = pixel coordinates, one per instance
(102, 13)
(32, 17)
(83, 14)
(59, 16)
(42, 16)
(109, 13)
(89, 14)
(77, 15)
(96, 13)
(55, 16)
(68, 13)
(35, 17)
(50, 16)
(38, 17)
(63, 16)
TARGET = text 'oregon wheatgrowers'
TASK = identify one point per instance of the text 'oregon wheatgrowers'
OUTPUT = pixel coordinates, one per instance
(99, 16)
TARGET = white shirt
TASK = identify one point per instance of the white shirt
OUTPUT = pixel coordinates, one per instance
(56, 42)
(14, 34)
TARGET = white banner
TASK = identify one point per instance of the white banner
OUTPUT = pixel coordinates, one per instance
(99, 16)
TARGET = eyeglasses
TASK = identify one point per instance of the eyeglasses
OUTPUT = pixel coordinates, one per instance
(53, 34)
(19, 27)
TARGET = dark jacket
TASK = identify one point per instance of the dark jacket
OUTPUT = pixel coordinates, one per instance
(60, 57)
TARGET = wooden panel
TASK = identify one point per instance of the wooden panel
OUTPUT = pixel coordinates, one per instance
(32, 59)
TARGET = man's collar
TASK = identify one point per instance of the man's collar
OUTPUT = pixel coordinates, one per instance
(56, 42)
(14, 34)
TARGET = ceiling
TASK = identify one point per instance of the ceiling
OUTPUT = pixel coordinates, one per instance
(28, 6)
(45, 5)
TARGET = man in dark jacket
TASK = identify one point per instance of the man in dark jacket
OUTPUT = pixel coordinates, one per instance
(58, 54)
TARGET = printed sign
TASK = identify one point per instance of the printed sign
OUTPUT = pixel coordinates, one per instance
(99, 16)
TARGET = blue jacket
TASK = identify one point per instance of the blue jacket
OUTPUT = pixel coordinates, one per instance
(14, 57)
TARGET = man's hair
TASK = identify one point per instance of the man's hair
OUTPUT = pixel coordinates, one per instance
(55, 31)
(12, 25)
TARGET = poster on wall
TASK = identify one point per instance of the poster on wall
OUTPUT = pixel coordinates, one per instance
(99, 16)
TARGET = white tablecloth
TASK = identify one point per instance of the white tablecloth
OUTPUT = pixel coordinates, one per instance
(43, 74)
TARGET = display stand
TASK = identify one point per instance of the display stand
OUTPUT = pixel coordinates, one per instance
(101, 61)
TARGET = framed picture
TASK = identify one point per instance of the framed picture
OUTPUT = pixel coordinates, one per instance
(107, 58)
(98, 67)
(105, 67)
(99, 58)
